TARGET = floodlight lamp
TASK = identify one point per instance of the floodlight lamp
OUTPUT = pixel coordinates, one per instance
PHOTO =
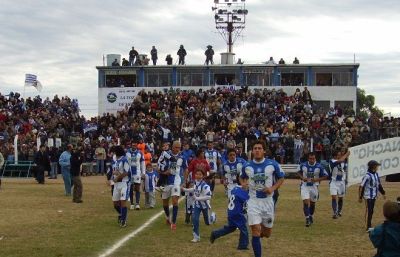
(245, 11)
(240, 11)
(214, 8)
(216, 16)
(226, 1)
(220, 11)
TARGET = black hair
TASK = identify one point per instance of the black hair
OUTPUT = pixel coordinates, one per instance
(119, 151)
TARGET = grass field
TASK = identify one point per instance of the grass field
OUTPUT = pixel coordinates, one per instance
(38, 220)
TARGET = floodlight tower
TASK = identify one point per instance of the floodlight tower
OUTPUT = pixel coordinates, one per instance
(230, 20)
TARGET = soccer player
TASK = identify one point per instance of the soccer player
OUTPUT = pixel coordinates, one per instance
(214, 160)
(310, 173)
(231, 170)
(121, 177)
(236, 215)
(165, 156)
(261, 172)
(174, 169)
(337, 184)
(150, 180)
(369, 187)
(138, 170)
(202, 196)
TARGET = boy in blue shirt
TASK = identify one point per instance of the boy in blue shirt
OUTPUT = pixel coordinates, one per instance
(236, 215)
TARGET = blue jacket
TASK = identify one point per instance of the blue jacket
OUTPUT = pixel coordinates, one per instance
(65, 159)
(390, 246)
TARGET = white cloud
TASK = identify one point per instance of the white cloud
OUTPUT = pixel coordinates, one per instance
(62, 41)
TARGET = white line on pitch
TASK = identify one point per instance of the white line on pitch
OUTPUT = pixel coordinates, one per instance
(125, 239)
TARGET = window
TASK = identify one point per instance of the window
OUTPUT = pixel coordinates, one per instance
(324, 79)
(292, 79)
(120, 80)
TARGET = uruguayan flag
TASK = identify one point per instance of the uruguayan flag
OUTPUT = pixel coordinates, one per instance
(31, 81)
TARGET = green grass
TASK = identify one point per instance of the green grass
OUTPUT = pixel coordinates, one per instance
(38, 220)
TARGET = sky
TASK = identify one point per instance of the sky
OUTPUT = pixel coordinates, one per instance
(63, 41)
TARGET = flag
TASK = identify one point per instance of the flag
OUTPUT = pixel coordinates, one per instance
(89, 127)
(31, 81)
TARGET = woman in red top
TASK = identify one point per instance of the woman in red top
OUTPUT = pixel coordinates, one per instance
(199, 162)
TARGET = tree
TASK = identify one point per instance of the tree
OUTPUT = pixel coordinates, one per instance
(366, 105)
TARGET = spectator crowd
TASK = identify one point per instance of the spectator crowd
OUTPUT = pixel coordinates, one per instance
(291, 124)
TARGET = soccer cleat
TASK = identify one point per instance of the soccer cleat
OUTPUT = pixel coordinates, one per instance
(369, 230)
(132, 207)
(195, 240)
(119, 219)
(334, 216)
(308, 223)
(137, 207)
(173, 227)
(123, 223)
(339, 214)
(311, 219)
(212, 237)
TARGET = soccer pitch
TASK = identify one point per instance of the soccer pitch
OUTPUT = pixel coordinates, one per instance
(38, 220)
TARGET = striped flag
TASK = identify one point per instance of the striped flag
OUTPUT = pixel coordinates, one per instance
(31, 81)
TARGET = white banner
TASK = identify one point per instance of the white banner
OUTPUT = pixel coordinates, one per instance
(112, 100)
(386, 152)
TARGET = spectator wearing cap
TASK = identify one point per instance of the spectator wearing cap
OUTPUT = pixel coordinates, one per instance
(386, 237)
(369, 187)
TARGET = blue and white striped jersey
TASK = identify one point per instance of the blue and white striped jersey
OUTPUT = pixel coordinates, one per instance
(201, 189)
(232, 170)
(176, 165)
(261, 175)
(150, 181)
(136, 161)
(212, 157)
(371, 183)
(121, 166)
(337, 171)
(162, 160)
(312, 172)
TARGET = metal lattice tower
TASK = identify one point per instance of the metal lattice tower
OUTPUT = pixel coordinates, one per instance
(230, 19)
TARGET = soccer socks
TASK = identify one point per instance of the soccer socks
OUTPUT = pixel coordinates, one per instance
(340, 205)
(306, 210)
(124, 211)
(334, 206)
(166, 211)
(137, 196)
(256, 243)
(118, 209)
(312, 208)
(174, 214)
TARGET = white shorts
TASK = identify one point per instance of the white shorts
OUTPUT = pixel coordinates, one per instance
(309, 192)
(171, 190)
(337, 188)
(261, 211)
(136, 179)
(121, 191)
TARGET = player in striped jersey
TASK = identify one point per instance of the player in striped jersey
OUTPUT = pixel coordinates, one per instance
(174, 171)
(150, 181)
(369, 187)
(214, 160)
(337, 184)
(121, 176)
(202, 196)
(231, 170)
(310, 173)
(138, 170)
